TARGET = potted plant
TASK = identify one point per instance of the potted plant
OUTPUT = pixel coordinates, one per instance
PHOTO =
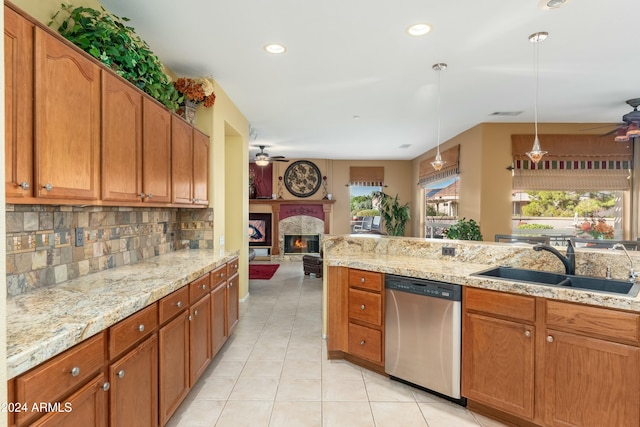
(394, 215)
(107, 38)
(194, 92)
(464, 230)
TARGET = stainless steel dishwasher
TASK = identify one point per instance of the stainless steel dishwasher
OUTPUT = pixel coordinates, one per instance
(423, 334)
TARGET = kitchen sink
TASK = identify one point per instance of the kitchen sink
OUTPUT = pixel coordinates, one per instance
(598, 284)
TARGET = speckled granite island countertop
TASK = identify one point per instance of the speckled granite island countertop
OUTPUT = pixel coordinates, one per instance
(422, 258)
(47, 321)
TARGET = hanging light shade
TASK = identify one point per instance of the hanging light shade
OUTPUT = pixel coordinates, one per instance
(621, 135)
(536, 152)
(438, 163)
(633, 130)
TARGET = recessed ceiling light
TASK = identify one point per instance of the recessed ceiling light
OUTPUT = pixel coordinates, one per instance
(356, 117)
(506, 113)
(419, 29)
(553, 4)
(275, 48)
(405, 146)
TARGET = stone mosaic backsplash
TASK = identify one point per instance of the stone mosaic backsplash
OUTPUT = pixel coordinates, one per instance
(41, 240)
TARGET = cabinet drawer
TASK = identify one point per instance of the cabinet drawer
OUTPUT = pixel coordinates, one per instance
(173, 304)
(198, 288)
(232, 267)
(512, 306)
(218, 276)
(365, 306)
(134, 328)
(365, 279)
(609, 324)
(365, 343)
(54, 379)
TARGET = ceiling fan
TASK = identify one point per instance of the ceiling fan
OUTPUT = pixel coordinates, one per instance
(630, 126)
(263, 159)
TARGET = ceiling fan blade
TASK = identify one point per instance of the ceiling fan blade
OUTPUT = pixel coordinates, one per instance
(612, 131)
(277, 157)
(279, 160)
(603, 126)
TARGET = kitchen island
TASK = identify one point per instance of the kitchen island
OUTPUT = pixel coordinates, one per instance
(532, 354)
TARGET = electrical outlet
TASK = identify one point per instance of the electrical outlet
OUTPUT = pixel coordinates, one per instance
(79, 236)
(446, 251)
(165, 228)
(222, 241)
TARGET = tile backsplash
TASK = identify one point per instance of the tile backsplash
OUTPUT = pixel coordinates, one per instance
(41, 239)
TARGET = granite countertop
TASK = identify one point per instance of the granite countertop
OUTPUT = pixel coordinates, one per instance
(47, 321)
(460, 273)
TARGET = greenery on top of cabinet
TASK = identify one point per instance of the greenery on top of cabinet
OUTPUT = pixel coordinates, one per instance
(105, 37)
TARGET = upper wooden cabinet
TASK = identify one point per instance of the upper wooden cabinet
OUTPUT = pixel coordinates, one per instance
(121, 140)
(18, 105)
(156, 149)
(190, 164)
(200, 168)
(67, 121)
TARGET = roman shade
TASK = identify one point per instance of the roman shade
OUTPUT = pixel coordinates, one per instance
(372, 176)
(573, 163)
(428, 174)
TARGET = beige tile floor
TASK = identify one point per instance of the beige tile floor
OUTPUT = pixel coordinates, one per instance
(274, 372)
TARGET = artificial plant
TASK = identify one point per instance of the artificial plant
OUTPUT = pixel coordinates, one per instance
(464, 230)
(105, 37)
(394, 215)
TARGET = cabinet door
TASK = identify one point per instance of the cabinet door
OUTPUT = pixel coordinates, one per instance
(86, 407)
(498, 364)
(134, 387)
(173, 342)
(181, 161)
(590, 382)
(199, 338)
(156, 149)
(233, 299)
(200, 168)
(218, 318)
(121, 140)
(67, 121)
(18, 105)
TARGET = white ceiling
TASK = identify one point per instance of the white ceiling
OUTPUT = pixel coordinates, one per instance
(351, 58)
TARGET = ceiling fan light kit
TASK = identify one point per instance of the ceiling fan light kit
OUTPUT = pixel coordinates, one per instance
(536, 152)
(438, 163)
(263, 159)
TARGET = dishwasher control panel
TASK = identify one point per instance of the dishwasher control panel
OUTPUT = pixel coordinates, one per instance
(431, 288)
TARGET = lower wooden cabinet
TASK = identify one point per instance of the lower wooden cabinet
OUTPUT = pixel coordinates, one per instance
(199, 338)
(233, 300)
(219, 310)
(134, 387)
(173, 343)
(84, 408)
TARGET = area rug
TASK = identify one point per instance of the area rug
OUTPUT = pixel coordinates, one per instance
(262, 271)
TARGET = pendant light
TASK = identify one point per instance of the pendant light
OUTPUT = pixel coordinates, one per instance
(438, 162)
(536, 152)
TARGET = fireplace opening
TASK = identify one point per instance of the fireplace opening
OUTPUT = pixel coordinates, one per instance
(301, 244)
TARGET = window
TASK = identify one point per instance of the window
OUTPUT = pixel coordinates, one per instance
(363, 213)
(441, 200)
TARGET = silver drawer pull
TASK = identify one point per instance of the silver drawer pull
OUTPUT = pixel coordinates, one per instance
(204, 286)
(150, 196)
(190, 317)
(362, 307)
(362, 342)
(24, 185)
(48, 186)
(75, 371)
(179, 304)
(195, 312)
(141, 327)
(121, 374)
(527, 334)
(362, 280)
(221, 274)
(549, 338)
(106, 386)
(142, 195)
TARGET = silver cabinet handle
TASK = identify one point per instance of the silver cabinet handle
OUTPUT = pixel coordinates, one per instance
(549, 338)
(48, 186)
(204, 286)
(230, 284)
(362, 307)
(190, 317)
(150, 196)
(221, 274)
(235, 266)
(179, 304)
(141, 328)
(362, 280)
(362, 342)
(24, 185)
(75, 371)
(142, 195)
(106, 386)
(121, 373)
(195, 312)
(527, 334)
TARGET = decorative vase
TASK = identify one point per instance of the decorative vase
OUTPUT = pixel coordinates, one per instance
(187, 111)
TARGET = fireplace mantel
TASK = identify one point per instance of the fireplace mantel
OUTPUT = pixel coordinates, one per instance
(275, 210)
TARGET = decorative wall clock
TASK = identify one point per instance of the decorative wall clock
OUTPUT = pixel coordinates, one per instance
(302, 178)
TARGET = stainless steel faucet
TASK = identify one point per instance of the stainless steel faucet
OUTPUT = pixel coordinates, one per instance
(632, 273)
(569, 261)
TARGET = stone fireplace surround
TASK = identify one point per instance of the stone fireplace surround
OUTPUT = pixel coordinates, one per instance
(295, 217)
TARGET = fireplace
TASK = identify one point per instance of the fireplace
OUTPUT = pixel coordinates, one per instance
(301, 243)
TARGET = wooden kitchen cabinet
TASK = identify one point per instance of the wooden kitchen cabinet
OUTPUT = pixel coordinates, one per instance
(18, 105)
(190, 164)
(233, 301)
(67, 121)
(199, 338)
(588, 380)
(86, 407)
(134, 387)
(156, 149)
(219, 332)
(200, 168)
(173, 352)
(121, 140)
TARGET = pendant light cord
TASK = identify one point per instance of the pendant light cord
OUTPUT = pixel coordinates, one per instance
(438, 111)
(536, 94)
